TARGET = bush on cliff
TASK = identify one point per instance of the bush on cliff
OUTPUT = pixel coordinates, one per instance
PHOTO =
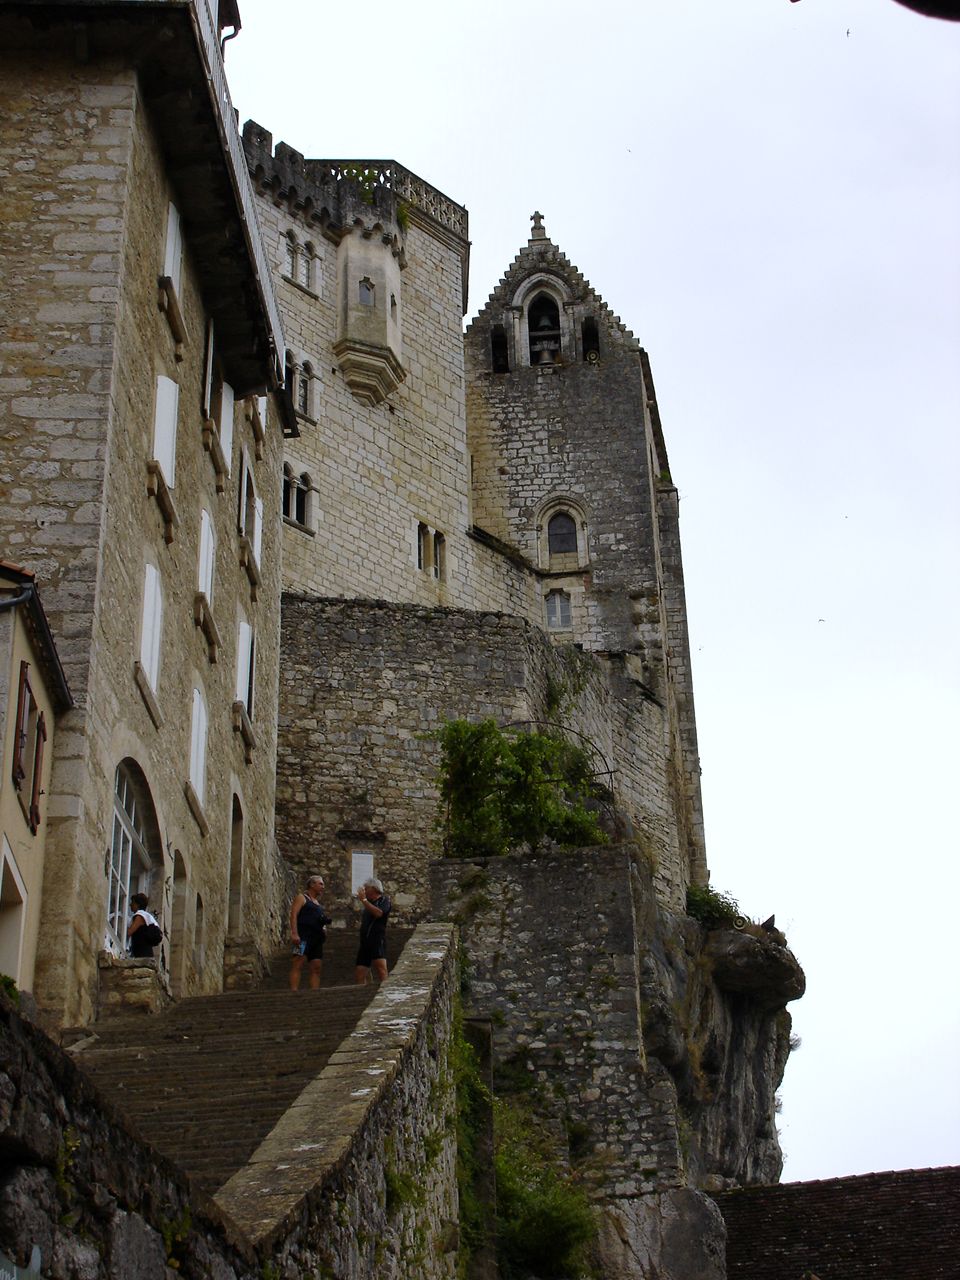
(498, 792)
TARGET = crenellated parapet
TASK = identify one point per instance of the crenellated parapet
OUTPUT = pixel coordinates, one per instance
(366, 208)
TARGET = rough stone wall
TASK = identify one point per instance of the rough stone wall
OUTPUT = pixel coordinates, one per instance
(372, 1192)
(85, 340)
(655, 1046)
(363, 685)
(60, 241)
(552, 945)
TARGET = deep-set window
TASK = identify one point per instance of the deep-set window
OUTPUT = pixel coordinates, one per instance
(558, 610)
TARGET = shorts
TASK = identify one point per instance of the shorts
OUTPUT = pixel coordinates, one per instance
(375, 949)
(310, 948)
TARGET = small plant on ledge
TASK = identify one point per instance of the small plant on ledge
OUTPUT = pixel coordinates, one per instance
(714, 910)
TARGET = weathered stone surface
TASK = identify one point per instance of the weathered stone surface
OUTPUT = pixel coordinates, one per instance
(766, 972)
(676, 1235)
(135, 1248)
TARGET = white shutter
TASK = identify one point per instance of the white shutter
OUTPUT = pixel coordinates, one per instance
(208, 545)
(245, 479)
(262, 405)
(244, 636)
(226, 423)
(173, 253)
(208, 372)
(198, 744)
(151, 625)
(257, 528)
(165, 427)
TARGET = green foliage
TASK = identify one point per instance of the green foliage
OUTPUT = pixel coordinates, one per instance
(714, 910)
(499, 792)
(544, 1220)
(175, 1233)
(367, 179)
(402, 1189)
(403, 215)
(473, 1107)
(9, 988)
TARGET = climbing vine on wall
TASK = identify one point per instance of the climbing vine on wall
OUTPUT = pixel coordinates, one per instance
(500, 791)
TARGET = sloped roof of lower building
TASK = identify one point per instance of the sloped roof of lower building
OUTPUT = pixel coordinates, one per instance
(877, 1226)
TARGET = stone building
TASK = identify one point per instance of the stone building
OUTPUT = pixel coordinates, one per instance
(468, 499)
(140, 481)
(287, 518)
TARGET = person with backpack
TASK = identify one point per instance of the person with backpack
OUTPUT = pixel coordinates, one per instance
(143, 932)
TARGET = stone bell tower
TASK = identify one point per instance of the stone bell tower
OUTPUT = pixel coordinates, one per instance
(570, 469)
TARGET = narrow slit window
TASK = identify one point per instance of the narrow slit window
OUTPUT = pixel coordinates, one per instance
(591, 340)
(365, 292)
(498, 350)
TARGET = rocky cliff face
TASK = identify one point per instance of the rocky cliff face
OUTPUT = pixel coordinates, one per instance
(715, 1023)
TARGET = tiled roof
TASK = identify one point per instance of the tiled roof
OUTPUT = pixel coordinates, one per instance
(903, 1225)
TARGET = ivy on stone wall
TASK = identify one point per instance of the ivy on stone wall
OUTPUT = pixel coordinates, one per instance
(500, 792)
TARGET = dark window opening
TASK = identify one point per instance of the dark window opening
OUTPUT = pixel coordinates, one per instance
(287, 492)
(498, 350)
(591, 340)
(303, 488)
(366, 292)
(439, 557)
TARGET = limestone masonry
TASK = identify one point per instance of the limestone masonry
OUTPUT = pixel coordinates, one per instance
(285, 519)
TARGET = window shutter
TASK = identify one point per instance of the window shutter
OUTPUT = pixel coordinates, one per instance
(226, 422)
(173, 255)
(165, 427)
(257, 528)
(245, 481)
(198, 744)
(38, 774)
(152, 625)
(245, 632)
(262, 406)
(19, 771)
(208, 546)
(208, 372)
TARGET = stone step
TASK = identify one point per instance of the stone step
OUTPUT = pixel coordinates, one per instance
(207, 1079)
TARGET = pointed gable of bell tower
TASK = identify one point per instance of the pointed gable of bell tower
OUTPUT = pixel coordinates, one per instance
(544, 313)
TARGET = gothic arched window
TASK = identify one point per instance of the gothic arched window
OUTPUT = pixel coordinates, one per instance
(562, 534)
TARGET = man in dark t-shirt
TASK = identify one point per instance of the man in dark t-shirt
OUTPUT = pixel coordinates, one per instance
(372, 953)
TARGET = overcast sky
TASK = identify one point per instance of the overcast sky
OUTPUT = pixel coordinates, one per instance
(768, 194)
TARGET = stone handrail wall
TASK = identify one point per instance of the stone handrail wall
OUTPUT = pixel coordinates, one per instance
(359, 1176)
(357, 1179)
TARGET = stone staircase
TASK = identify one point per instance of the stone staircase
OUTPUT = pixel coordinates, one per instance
(205, 1081)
